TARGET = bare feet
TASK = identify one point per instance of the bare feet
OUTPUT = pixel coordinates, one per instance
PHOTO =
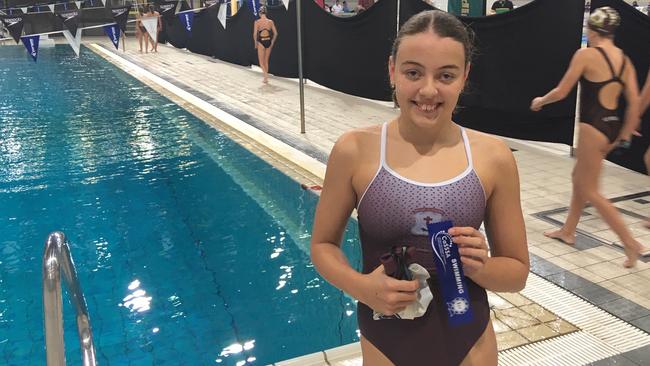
(633, 252)
(560, 235)
(265, 81)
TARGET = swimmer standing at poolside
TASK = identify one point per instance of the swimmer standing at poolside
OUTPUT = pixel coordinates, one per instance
(264, 36)
(423, 167)
(605, 73)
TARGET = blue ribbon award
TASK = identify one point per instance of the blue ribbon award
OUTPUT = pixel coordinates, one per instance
(450, 273)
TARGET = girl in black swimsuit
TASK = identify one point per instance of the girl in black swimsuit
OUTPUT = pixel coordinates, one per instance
(264, 36)
(600, 127)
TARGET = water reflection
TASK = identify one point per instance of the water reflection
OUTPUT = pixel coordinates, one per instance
(284, 277)
(137, 301)
(235, 349)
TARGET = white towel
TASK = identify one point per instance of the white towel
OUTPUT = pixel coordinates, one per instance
(418, 307)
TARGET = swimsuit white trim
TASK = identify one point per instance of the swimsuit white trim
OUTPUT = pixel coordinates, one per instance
(468, 155)
(382, 164)
(381, 154)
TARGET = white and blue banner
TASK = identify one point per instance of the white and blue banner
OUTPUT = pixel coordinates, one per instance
(150, 23)
(75, 42)
(255, 7)
(449, 269)
(31, 43)
(221, 15)
(113, 32)
(187, 17)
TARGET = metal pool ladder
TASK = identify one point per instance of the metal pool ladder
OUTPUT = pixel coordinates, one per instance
(57, 260)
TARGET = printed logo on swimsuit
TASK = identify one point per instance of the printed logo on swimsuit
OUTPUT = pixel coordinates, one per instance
(611, 119)
(424, 216)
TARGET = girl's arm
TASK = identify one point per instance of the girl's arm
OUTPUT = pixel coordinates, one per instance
(506, 270)
(275, 33)
(569, 80)
(377, 290)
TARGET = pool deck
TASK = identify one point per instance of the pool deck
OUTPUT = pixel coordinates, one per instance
(580, 306)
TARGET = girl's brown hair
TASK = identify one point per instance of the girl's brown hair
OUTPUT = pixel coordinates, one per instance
(441, 23)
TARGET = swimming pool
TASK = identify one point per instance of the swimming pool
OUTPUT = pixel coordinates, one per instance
(190, 249)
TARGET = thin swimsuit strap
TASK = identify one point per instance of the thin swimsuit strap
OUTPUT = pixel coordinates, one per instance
(384, 165)
(611, 66)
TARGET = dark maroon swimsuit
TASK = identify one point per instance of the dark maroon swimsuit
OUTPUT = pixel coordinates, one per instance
(592, 112)
(394, 211)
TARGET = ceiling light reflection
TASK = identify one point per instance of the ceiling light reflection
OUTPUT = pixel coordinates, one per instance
(136, 301)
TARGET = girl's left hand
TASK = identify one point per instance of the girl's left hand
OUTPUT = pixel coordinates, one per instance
(472, 247)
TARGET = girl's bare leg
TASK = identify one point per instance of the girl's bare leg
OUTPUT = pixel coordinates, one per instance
(260, 59)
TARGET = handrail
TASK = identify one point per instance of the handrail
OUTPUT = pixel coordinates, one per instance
(57, 260)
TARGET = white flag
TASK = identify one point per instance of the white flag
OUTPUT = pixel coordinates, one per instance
(75, 42)
(78, 3)
(51, 6)
(286, 4)
(24, 10)
(151, 25)
(222, 15)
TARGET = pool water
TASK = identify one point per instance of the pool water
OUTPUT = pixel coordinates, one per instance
(190, 249)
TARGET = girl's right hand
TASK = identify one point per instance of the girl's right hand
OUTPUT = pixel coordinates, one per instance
(537, 104)
(385, 294)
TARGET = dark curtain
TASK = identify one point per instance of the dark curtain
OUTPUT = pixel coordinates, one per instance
(284, 57)
(519, 55)
(633, 36)
(95, 16)
(204, 30)
(42, 23)
(350, 54)
(173, 30)
(235, 43)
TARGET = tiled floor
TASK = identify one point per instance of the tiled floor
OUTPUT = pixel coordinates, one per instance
(517, 320)
(591, 269)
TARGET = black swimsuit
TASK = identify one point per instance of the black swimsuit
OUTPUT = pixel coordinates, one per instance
(265, 37)
(592, 112)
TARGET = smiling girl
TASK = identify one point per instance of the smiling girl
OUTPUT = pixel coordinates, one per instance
(423, 167)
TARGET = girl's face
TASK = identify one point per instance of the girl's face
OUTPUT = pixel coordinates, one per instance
(429, 73)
